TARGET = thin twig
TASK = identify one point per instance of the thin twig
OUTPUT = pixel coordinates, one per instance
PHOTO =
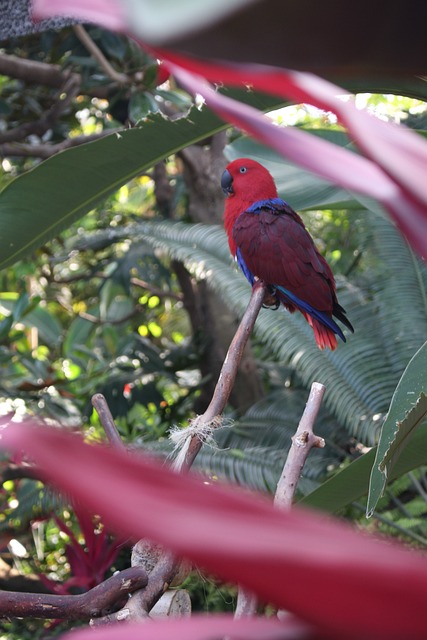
(108, 595)
(160, 293)
(45, 151)
(228, 372)
(95, 51)
(302, 442)
(100, 405)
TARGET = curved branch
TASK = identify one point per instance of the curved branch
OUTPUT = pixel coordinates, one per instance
(95, 51)
(100, 405)
(109, 595)
(140, 604)
(33, 71)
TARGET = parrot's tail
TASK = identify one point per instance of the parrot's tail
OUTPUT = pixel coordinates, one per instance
(324, 326)
(324, 336)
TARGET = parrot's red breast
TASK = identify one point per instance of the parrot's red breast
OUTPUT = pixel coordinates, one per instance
(270, 242)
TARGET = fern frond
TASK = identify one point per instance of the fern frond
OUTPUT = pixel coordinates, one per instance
(401, 292)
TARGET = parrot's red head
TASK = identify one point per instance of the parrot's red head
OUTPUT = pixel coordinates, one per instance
(248, 181)
(244, 181)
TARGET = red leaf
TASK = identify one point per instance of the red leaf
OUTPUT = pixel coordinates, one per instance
(395, 172)
(342, 581)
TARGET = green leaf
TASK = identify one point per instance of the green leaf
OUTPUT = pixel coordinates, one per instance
(141, 105)
(17, 308)
(352, 483)
(77, 336)
(47, 325)
(407, 409)
(38, 205)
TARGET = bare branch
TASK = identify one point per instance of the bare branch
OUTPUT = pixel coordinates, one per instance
(108, 595)
(159, 578)
(166, 566)
(45, 151)
(33, 72)
(246, 604)
(100, 405)
(302, 443)
(19, 471)
(228, 373)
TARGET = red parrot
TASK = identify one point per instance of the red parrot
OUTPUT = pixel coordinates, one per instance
(270, 242)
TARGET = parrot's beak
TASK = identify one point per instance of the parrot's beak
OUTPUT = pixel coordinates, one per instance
(227, 183)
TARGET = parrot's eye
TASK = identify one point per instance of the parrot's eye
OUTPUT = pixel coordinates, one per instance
(243, 169)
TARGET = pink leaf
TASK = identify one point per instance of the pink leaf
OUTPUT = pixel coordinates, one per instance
(393, 173)
(342, 581)
(201, 628)
(110, 13)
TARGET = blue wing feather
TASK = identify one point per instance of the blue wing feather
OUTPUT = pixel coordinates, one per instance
(271, 203)
(321, 316)
(242, 264)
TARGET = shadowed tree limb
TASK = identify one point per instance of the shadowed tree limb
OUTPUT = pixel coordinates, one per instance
(108, 595)
(67, 92)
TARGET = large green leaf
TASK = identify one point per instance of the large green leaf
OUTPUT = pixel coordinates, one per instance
(352, 483)
(407, 410)
(41, 203)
